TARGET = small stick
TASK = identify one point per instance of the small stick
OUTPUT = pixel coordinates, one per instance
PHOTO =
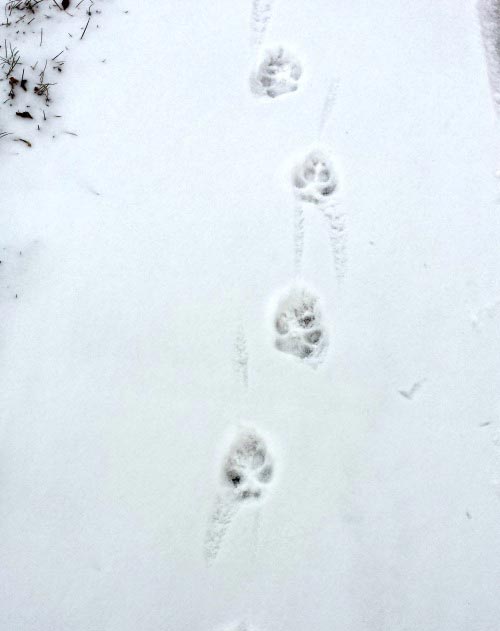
(25, 141)
(85, 29)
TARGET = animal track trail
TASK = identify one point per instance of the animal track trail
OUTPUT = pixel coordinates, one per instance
(315, 184)
(246, 474)
(278, 73)
(299, 329)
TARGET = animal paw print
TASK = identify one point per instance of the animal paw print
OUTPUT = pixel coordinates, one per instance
(278, 73)
(248, 467)
(247, 471)
(298, 326)
(314, 180)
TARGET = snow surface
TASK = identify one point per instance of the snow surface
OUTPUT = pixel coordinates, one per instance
(148, 256)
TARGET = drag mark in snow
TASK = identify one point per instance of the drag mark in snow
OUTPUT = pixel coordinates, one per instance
(261, 17)
(326, 112)
(298, 237)
(489, 19)
(336, 226)
(246, 473)
(278, 73)
(223, 514)
(241, 356)
(298, 325)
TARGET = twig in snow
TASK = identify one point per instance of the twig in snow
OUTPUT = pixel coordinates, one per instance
(86, 26)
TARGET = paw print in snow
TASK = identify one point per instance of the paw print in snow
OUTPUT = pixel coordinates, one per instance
(277, 74)
(298, 325)
(246, 474)
(314, 180)
(248, 467)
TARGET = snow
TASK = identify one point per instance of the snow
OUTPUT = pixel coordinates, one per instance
(148, 255)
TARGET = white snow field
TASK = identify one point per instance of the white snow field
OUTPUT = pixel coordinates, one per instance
(167, 461)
